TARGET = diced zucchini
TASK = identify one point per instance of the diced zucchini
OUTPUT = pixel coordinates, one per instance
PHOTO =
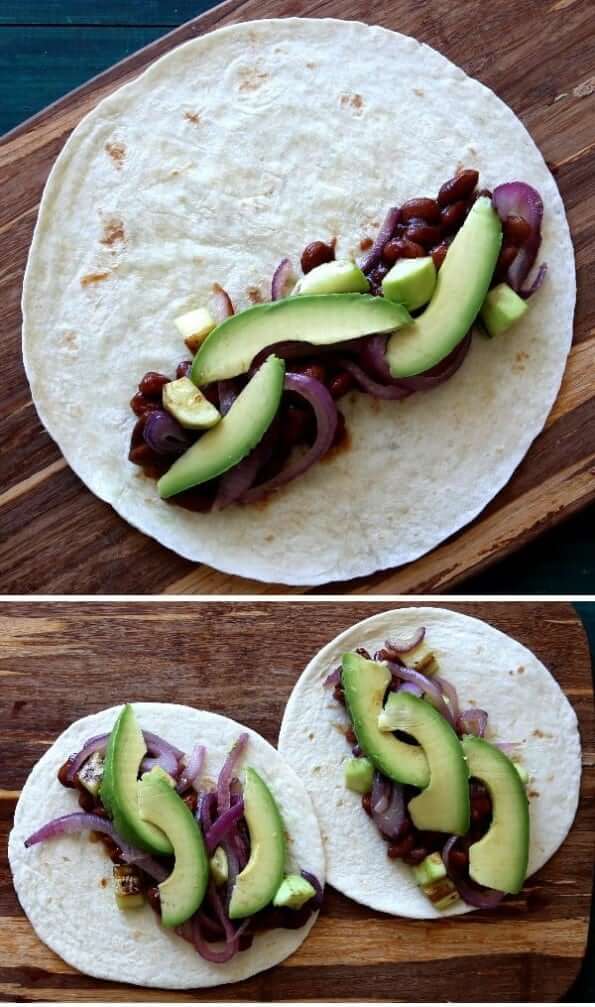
(91, 773)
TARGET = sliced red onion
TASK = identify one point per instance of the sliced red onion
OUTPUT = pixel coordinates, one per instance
(450, 692)
(385, 233)
(521, 200)
(81, 821)
(442, 371)
(238, 480)
(428, 685)
(470, 892)
(221, 303)
(406, 646)
(165, 761)
(289, 349)
(388, 806)
(372, 357)
(227, 392)
(96, 744)
(223, 825)
(334, 678)
(316, 901)
(472, 721)
(412, 688)
(164, 434)
(206, 810)
(205, 949)
(325, 411)
(228, 770)
(157, 745)
(282, 278)
(540, 275)
(191, 773)
(374, 388)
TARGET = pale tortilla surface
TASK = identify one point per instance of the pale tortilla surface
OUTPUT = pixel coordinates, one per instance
(230, 152)
(64, 885)
(489, 670)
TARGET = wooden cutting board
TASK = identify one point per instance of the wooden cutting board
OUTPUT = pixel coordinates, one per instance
(55, 537)
(60, 662)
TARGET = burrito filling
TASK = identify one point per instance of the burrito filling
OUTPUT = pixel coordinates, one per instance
(256, 406)
(449, 803)
(207, 856)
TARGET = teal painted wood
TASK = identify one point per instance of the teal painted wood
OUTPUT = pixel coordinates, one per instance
(100, 12)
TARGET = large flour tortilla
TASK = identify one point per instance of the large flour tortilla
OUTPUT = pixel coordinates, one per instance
(228, 153)
(490, 670)
(59, 883)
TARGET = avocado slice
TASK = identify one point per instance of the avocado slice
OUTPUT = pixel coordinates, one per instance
(365, 684)
(499, 860)
(461, 287)
(293, 892)
(240, 430)
(359, 775)
(444, 804)
(341, 276)
(261, 878)
(182, 892)
(501, 309)
(119, 787)
(411, 282)
(188, 405)
(319, 319)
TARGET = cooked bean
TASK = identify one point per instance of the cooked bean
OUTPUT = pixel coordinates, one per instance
(351, 736)
(453, 216)
(152, 384)
(315, 371)
(367, 804)
(416, 855)
(438, 253)
(516, 229)
(459, 187)
(315, 254)
(401, 248)
(421, 209)
(423, 234)
(505, 260)
(365, 244)
(141, 405)
(340, 384)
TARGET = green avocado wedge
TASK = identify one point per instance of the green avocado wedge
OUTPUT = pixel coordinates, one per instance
(261, 878)
(182, 892)
(461, 286)
(240, 430)
(499, 860)
(319, 319)
(126, 750)
(444, 804)
(365, 684)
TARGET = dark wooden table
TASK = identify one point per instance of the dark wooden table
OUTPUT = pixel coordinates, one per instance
(50, 46)
(62, 661)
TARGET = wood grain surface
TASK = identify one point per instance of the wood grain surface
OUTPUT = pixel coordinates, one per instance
(59, 662)
(55, 537)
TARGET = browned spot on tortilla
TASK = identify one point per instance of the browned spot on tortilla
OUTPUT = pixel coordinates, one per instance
(103, 882)
(365, 244)
(70, 340)
(537, 733)
(352, 100)
(113, 231)
(192, 117)
(254, 295)
(117, 152)
(520, 670)
(419, 91)
(269, 538)
(311, 66)
(94, 278)
(520, 356)
(252, 79)
(533, 793)
(311, 736)
(341, 728)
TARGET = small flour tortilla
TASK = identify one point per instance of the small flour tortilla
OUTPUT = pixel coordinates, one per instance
(65, 888)
(489, 670)
(230, 152)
